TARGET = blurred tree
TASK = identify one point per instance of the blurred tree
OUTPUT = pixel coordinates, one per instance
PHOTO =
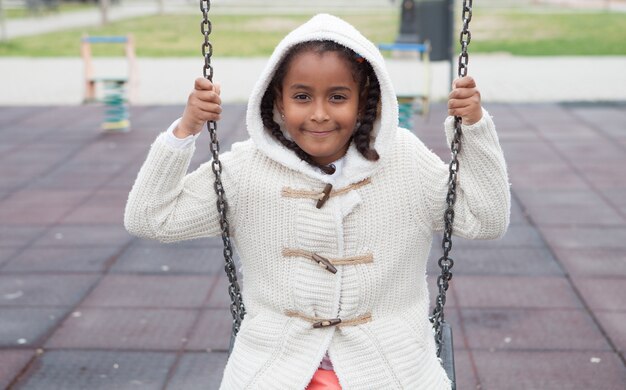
(104, 12)
(3, 29)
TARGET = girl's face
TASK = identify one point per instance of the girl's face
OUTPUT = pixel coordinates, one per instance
(320, 103)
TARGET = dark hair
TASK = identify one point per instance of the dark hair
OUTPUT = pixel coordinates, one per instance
(369, 89)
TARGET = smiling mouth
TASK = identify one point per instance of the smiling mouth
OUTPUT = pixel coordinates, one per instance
(318, 133)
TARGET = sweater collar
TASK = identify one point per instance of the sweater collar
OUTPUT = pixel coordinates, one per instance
(356, 167)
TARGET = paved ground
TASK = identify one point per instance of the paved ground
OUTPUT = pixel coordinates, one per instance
(83, 305)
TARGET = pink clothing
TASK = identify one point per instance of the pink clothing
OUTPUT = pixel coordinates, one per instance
(324, 380)
(326, 364)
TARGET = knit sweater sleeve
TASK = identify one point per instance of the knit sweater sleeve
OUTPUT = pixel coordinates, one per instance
(169, 205)
(483, 202)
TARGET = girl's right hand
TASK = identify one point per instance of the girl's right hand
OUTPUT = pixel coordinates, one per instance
(203, 104)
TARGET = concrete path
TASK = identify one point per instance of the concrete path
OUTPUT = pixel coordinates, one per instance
(83, 305)
(501, 78)
(67, 20)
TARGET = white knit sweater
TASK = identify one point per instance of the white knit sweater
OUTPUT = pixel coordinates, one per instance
(377, 232)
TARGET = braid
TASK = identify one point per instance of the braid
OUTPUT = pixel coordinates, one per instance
(362, 135)
(267, 115)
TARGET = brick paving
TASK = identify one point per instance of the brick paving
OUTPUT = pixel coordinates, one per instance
(83, 305)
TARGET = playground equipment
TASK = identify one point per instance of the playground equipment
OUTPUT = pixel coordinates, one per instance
(417, 103)
(117, 90)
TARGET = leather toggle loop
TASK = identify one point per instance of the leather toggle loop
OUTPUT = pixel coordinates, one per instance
(324, 323)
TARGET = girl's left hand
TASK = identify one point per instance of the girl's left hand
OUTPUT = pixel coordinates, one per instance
(464, 100)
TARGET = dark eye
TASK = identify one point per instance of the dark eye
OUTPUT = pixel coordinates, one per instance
(336, 98)
(300, 96)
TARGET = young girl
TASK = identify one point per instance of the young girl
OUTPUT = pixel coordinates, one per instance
(324, 112)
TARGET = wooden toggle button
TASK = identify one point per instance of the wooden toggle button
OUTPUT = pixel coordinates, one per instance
(324, 263)
(326, 195)
(327, 323)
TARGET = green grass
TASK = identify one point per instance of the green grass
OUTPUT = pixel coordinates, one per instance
(17, 13)
(517, 32)
(545, 33)
(179, 35)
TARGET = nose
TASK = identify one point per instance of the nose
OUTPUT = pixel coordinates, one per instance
(320, 112)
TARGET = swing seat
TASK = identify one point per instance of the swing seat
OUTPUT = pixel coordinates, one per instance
(447, 353)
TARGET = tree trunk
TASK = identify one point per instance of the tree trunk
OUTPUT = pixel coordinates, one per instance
(104, 12)
(3, 27)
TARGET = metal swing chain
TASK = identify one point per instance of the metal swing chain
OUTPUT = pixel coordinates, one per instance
(237, 308)
(445, 262)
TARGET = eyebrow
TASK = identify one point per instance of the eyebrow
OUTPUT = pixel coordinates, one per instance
(307, 88)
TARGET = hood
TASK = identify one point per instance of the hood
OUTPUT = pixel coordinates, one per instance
(356, 167)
